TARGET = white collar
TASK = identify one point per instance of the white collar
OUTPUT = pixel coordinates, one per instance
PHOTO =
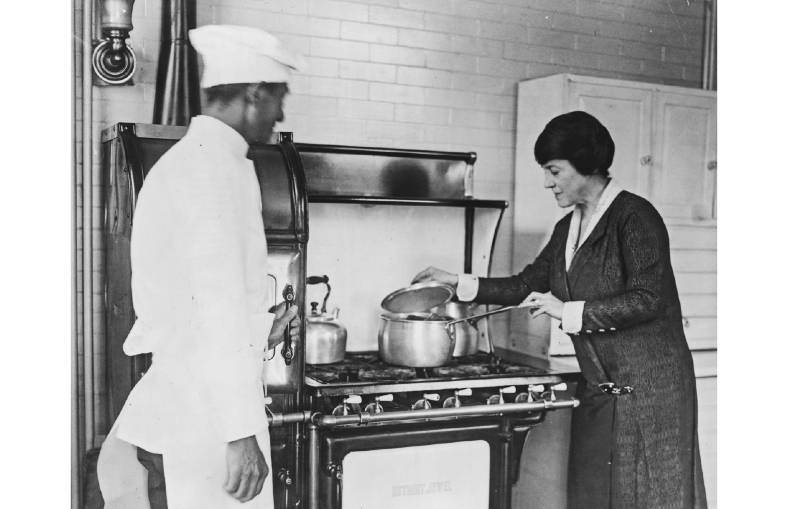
(572, 245)
(215, 131)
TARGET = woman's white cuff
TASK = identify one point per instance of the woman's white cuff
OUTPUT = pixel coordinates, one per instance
(467, 287)
(572, 317)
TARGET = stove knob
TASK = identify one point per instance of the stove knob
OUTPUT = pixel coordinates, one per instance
(344, 408)
(375, 407)
(556, 387)
(424, 404)
(534, 392)
(505, 390)
(498, 398)
(454, 401)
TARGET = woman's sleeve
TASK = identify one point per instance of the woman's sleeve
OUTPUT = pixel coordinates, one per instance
(512, 290)
(646, 254)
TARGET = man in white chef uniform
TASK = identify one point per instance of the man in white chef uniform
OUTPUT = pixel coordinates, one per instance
(197, 419)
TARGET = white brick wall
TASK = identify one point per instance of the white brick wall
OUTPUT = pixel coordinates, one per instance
(432, 74)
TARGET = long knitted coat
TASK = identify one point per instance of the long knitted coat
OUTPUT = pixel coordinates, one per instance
(638, 450)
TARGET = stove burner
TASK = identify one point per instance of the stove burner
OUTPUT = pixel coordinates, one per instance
(454, 371)
(425, 373)
(366, 367)
(386, 374)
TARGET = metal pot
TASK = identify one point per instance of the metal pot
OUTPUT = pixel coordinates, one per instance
(422, 340)
(412, 340)
(466, 333)
(326, 339)
(407, 336)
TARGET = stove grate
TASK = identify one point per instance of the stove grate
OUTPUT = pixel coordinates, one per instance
(367, 367)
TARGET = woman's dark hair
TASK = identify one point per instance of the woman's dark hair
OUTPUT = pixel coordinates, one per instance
(578, 138)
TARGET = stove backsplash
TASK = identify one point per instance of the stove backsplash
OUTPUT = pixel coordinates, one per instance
(369, 251)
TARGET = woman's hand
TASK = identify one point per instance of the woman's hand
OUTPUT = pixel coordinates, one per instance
(433, 274)
(544, 303)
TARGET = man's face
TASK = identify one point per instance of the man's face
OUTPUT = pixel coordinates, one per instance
(264, 112)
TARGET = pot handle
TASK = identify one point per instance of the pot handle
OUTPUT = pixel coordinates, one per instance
(316, 280)
(474, 318)
(450, 330)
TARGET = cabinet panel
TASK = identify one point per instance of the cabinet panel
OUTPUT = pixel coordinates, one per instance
(685, 160)
(699, 305)
(694, 260)
(626, 113)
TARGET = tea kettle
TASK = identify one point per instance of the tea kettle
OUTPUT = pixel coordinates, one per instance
(325, 337)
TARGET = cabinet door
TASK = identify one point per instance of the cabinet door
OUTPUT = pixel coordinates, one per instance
(626, 112)
(685, 174)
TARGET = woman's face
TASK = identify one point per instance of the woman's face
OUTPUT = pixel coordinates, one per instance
(568, 186)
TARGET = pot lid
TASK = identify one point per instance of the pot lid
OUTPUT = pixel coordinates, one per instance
(418, 297)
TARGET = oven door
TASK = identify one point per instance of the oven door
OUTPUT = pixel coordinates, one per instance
(461, 463)
(419, 477)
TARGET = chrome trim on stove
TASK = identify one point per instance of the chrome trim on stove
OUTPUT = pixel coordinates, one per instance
(330, 421)
(348, 388)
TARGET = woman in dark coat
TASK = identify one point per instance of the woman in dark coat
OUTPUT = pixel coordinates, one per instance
(607, 267)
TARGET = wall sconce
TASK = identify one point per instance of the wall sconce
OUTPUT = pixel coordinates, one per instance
(113, 59)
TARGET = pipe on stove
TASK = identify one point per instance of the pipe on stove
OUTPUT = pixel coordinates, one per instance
(76, 427)
(279, 420)
(87, 224)
(329, 421)
(314, 466)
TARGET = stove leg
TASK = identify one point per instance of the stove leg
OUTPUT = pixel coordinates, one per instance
(506, 463)
(298, 464)
(314, 466)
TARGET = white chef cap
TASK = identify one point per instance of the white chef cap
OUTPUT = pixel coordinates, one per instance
(239, 54)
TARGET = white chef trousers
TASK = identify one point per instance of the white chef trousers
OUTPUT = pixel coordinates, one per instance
(194, 474)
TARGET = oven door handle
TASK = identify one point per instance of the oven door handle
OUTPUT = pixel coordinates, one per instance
(287, 347)
(335, 471)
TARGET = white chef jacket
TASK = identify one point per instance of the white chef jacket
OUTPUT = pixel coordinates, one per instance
(199, 275)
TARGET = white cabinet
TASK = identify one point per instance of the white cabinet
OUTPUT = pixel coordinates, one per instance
(627, 114)
(665, 152)
(685, 155)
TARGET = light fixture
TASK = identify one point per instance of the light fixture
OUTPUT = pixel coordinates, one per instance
(114, 60)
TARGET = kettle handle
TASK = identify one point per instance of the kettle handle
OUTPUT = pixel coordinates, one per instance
(316, 280)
